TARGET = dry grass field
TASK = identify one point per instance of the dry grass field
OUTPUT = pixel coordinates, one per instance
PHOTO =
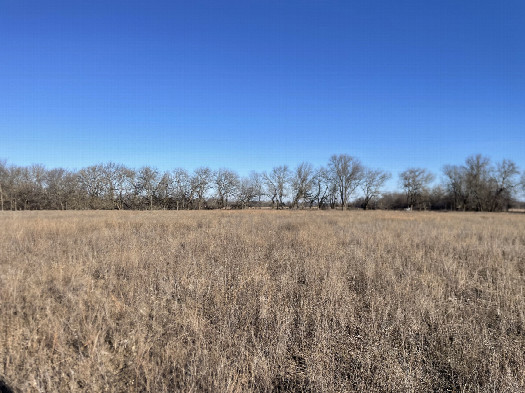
(262, 301)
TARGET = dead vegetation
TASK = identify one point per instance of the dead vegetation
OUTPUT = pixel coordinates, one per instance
(262, 301)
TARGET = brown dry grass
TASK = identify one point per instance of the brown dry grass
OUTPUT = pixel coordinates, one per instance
(262, 301)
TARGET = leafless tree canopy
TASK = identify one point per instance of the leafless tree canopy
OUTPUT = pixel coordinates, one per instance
(347, 174)
(480, 186)
(415, 182)
(201, 182)
(226, 186)
(372, 184)
(277, 184)
(302, 183)
(344, 182)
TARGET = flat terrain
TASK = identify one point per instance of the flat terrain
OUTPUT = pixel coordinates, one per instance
(262, 301)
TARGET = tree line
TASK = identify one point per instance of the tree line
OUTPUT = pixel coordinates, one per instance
(477, 185)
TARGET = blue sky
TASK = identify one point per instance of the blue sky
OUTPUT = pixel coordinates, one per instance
(254, 84)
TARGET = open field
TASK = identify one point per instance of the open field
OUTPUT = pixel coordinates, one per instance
(264, 301)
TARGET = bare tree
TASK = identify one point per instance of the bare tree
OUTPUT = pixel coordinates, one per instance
(120, 182)
(164, 190)
(56, 188)
(373, 181)
(36, 183)
(13, 185)
(478, 176)
(347, 173)
(246, 192)
(18, 185)
(415, 182)
(147, 183)
(320, 186)
(3, 180)
(110, 172)
(9, 184)
(476, 185)
(439, 197)
(505, 180)
(257, 183)
(456, 185)
(480, 186)
(182, 190)
(201, 183)
(62, 188)
(277, 184)
(93, 183)
(226, 184)
(21, 187)
(29, 188)
(302, 183)
(123, 179)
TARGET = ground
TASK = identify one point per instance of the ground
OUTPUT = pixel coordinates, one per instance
(262, 301)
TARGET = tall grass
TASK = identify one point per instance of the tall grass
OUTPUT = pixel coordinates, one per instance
(262, 301)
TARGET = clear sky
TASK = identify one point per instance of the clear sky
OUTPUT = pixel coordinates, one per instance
(252, 84)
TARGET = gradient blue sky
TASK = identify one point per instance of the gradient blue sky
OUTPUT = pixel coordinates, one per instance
(254, 84)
